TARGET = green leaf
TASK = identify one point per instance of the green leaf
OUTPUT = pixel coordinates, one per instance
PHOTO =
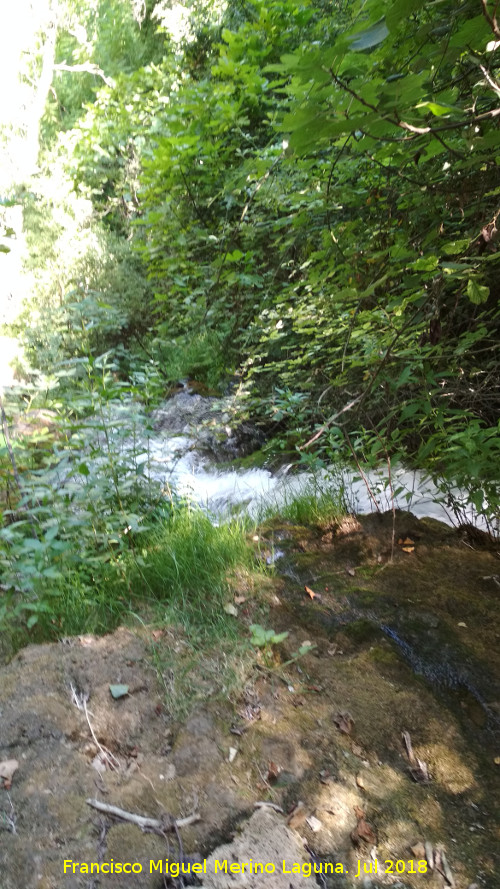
(425, 264)
(52, 573)
(477, 293)
(401, 10)
(404, 376)
(437, 109)
(370, 37)
(453, 247)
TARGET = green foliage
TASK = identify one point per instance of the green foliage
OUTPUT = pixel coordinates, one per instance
(266, 639)
(97, 42)
(89, 293)
(262, 638)
(199, 357)
(312, 196)
(73, 506)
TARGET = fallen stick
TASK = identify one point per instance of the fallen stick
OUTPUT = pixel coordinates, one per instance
(144, 823)
(265, 805)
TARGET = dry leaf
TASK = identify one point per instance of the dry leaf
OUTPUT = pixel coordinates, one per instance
(420, 772)
(157, 634)
(360, 782)
(297, 816)
(7, 769)
(250, 712)
(311, 592)
(408, 541)
(351, 571)
(238, 600)
(408, 549)
(363, 830)
(273, 772)
(418, 851)
(344, 722)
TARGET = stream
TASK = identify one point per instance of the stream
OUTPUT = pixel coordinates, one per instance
(190, 434)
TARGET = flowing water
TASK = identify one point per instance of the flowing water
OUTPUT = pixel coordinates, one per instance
(177, 454)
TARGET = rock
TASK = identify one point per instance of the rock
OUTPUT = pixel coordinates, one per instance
(265, 839)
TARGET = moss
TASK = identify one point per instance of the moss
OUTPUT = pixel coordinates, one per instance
(384, 656)
(361, 631)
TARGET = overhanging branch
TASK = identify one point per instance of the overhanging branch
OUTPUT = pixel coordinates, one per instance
(85, 68)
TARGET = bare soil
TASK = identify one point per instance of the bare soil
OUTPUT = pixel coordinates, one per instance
(407, 640)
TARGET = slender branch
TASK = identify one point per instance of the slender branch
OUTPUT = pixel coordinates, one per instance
(493, 83)
(197, 210)
(408, 127)
(329, 422)
(491, 19)
(330, 177)
(86, 68)
(141, 820)
(243, 214)
(360, 470)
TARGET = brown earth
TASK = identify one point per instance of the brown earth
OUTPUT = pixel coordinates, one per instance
(405, 642)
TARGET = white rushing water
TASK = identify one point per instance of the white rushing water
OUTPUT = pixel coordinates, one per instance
(174, 454)
(220, 491)
(173, 458)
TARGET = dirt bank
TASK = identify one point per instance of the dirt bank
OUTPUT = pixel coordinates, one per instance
(407, 641)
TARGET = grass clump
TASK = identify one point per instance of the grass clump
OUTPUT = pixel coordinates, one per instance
(187, 567)
(318, 503)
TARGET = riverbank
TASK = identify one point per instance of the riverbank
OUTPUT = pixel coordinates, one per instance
(406, 641)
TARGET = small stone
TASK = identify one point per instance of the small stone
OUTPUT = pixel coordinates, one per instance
(314, 823)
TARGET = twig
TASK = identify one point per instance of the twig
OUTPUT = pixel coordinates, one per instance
(493, 83)
(391, 488)
(10, 820)
(358, 465)
(141, 820)
(329, 422)
(410, 128)
(265, 805)
(80, 701)
(492, 20)
(86, 68)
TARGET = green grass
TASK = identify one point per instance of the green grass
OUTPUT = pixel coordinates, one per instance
(186, 567)
(318, 504)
